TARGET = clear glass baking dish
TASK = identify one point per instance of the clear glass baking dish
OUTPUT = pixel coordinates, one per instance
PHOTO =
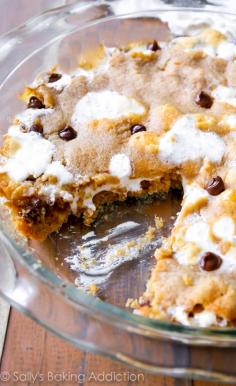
(34, 277)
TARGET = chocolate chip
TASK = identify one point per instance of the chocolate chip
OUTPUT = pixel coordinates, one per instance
(54, 77)
(33, 211)
(215, 186)
(35, 103)
(196, 310)
(210, 261)
(23, 128)
(67, 134)
(154, 46)
(36, 128)
(137, 128)
(31, 178)
(198, 307)
(204, 100)
(145, 184)
(145, 303)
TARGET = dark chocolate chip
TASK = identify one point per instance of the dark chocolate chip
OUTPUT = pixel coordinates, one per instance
(36, 128)
(145, 303)
(33, 211)
(198, 307)
(67, 134)
(154, 46)
(31, 178)
(137, 128)
(215, 186)
(204, 100)
(35, 103)
(196, 310)
(145, 184)
(210, 261)
(23, 128)
(54, 77)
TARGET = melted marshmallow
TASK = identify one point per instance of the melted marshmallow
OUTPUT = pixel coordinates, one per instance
(101, 68)
(105, 104)
(205, 319)
(194, 193)
(179, 314)
(52, 191)
(31, 159)
(208, 49)
(28, 116)
(224, 228)
(184, 142)
(224, 50)
(120, 166)
(230, 120)
(198, 233)
(225, 95)
(59, 171)
(201, 319)
(142, 49)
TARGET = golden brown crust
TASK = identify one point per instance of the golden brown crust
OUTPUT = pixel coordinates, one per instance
(172, 284)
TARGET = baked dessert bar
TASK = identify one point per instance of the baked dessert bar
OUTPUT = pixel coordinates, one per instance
(135, 121)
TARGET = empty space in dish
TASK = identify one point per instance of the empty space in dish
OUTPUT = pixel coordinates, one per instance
(116, 253)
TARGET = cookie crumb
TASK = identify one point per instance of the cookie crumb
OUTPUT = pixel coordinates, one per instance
(132, 303)
(93, 289)
(159, 222)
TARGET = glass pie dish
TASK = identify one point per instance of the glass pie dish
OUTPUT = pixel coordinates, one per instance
(44, 280)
